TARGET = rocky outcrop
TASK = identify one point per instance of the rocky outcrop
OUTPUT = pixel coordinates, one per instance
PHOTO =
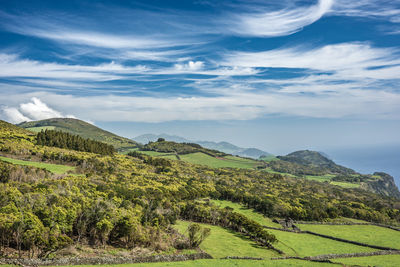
(384, 185)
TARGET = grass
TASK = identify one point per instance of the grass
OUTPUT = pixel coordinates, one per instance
(231, 162)
(384, 261)
(269, 158)
(222, 243)
(154, 153)
(296, 244)
(54, 168)
(224, 263)
(309, 245)
(258, 217)
(346, 184)
(320, 178)
(39, 129)
(328, 177)
(369, 234)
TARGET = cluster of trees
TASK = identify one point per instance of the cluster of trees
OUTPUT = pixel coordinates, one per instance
(17, 173)
(227, 218)
(70, 141)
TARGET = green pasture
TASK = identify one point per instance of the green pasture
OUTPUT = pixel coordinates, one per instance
(39, 129)
(258, 217)
(232, 162)
(382, 261)
(54, 168)
(368, 234)
(294, 244)
(222, 243)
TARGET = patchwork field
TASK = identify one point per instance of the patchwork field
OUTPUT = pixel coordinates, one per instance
(295, 244)
(384, 261)
(204, 159)
(54, 168)
(369, 234)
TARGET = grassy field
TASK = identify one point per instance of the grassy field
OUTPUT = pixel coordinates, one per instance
(308, 245)
(258, 217)
(384, 261)
(154, 153)
(292, 243)
(346, 184)
(39, 129)
(369, 234)
(54, 168)
(232, 162)
(222, 243)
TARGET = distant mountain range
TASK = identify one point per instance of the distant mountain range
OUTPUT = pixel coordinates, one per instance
(220, 146)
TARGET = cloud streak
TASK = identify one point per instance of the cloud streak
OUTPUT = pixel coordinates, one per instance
(277, 23)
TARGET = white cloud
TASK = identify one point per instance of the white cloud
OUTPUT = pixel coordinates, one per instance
(238, 105)
(276, 23)
(13, 66)
(190, 66)
(328, 58)
(13, 115)
(31, 111)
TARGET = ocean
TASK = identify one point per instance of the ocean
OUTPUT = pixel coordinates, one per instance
(367, 160)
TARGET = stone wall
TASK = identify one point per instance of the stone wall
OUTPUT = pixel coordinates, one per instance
(105, 260)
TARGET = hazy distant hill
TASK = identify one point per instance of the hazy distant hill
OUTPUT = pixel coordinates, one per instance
(309, 158)
(220, 146)
(81, 128)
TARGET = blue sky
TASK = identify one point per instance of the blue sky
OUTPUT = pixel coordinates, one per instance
(279, 75)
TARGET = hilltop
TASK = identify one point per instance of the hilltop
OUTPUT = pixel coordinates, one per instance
(223, 146)
(81, 128)
(312, 159)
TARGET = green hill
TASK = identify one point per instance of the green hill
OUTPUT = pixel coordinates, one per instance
(81, 128)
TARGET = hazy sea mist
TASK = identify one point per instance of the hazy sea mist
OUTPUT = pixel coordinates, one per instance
(370, 159)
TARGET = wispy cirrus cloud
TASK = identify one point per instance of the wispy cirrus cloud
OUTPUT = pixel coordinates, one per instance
(271, 23)
(12, 65)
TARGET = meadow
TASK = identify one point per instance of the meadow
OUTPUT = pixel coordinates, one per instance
(384, 261)
(222, 243)
(368, 234)
(229, 161)
(54, 168)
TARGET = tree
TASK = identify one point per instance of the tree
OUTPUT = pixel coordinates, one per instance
(197, 234)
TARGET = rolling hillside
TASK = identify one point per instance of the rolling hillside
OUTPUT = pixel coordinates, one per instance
(81, 128)
(225, 147)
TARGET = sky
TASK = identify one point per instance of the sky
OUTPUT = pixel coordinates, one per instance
(278, 75)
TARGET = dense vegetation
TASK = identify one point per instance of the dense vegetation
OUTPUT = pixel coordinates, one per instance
(315, 161)
(75, 142)
(131, 201)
